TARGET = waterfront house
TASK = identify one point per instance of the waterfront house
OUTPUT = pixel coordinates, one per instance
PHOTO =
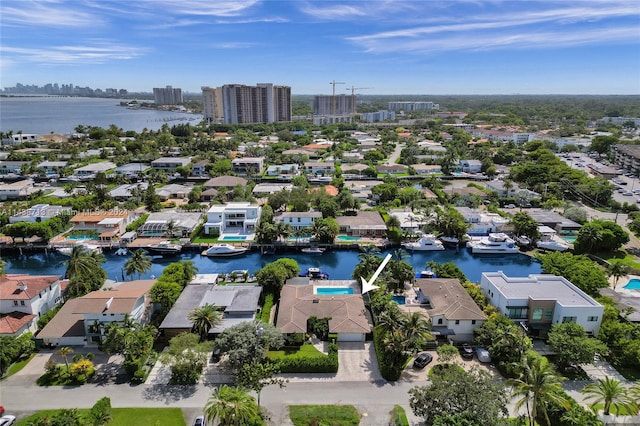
(356, 169)
(264, 189)
(170, 164)
(348, 317)
(240, 217)
(238, 303)
(19, 190)
(12, 168)
(470, 166)
(248, 165)
(482, 222)
(427, 169)
(108, 225)
(228, 182)
(82, 321)
(466, 191)
(158, 224)
(132, 169)
(282, 170)
(199, 168)
(539, 301)
(555, 221)
(25, 298)
(365, 224)
(90, 170)
(499, 187)
(174, 190)
(452, 312)
(352, 157)
(52, 167)
(394, 169)
(319, 169)
(298, 220)
(126, 191)
(39, 213)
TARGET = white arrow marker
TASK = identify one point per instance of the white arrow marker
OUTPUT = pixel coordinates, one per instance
(368, 285)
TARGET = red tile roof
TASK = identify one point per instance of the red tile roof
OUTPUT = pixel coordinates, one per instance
(9, 285)
(13, 322)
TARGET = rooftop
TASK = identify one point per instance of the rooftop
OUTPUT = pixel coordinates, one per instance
(448, 298)
(10, 285)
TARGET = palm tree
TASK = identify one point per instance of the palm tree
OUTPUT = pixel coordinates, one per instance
(508, 186)
(617, 269)
(64, 352)
(391, 319)
(393, 222)
(538, 384)
(204, 318)
(591, 235)
(610, 393)
(82, 262)
(416, 328)
(138, 262)
(231, 406)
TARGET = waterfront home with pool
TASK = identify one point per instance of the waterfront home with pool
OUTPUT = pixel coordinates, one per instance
(298, 220)
(238, 217)
(339, 300)
(108, 225)
(365, 224)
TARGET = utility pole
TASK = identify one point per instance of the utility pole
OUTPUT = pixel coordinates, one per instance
(333, 97)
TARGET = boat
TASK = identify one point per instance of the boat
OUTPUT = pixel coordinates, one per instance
(427, 243)
(552, 245)
(449, 240)
(122, 252)
(495, 243)
(426, 274)
(315, 274)
(66, 251)
(313, 250)
(224, 250)
(523, 241)
(164, 247)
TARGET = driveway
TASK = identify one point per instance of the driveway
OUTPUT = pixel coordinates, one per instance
(412, 375)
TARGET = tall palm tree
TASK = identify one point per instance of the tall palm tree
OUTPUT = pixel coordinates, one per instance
(416, 328)
(393, 222)
(64, 352)
(610, 393)
(138, 262)
(391, 319)
(617, 269)
(204, 318)
(82, 262)
(231, 406)
(538, 384)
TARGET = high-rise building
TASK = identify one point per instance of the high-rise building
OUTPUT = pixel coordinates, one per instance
(412, 106)
(237, 103)
(332, 105)
(167, 95)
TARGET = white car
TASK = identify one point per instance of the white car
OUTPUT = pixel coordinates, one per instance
(7, 420)
(627, 193)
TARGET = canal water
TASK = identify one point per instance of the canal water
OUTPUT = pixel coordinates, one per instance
(338, 264)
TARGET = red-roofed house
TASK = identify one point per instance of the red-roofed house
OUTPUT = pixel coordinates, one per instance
(24, 298)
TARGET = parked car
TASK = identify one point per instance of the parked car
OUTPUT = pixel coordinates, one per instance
(483, 355)
(422, 360)
(466, 351)
(7, 420)
(200, 421)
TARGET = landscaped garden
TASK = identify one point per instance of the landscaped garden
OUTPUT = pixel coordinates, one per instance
(119, 416)
(305, 359)
(334, 415)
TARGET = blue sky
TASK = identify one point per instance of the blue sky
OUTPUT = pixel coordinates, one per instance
(389, 47)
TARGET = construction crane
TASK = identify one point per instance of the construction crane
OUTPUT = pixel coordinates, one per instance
(333, 97)
(353, 97)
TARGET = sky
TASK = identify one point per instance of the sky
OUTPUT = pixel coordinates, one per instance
(373, 47)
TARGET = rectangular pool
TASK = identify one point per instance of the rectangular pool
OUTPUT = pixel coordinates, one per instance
(400, 300)
(233, 238)
(333, 290)
(347, 238)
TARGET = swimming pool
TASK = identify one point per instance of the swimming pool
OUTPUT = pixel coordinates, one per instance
(233, 238)
(633, 284)
(400, 300)
(333, 290)
(347, 238)
(569, 238)
(82, 237)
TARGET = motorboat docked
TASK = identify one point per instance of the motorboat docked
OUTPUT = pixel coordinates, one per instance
(495, 243)
(66, 251)
(312, 250)
(164, 247)
(523, 241)
(426, 274)
(552, 245)
(224, 250)
(122, 252)
(450, 240)
(315, 274)
(426, 243)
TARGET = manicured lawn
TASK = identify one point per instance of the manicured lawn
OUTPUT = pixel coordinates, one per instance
(399, 417)
(324, 415)
(621, 412)
(127, 416)
(621, 254)
(205, 240)
(305, 351)
(17, 366)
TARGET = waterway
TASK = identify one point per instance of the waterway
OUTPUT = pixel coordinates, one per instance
(338, 264)
(46, 114)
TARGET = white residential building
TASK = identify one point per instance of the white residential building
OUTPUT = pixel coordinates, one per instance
(16, 190)
(94, 168)
(539, 301)
(482, 222)
(233, 217)
(170, 164)
(39, 213)
(298, 220)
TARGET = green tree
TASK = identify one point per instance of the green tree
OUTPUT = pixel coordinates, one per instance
(165, 293)
(572, 346)
(600, 236)
(186, 358)
(505, 341)
(82, 262)
(578, 269)
(231, 406)
(274, 275)
(457, 391)
(611, 394)
(204, 318)
(100, 413)
(258, 375)
(138, 262)
(446, 353)
(538, 385)
(523, 224)
(248, 342)
(64, 352)
(617, 269)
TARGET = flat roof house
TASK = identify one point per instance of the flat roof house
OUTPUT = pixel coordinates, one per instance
(298, 220)
(109, 224)
(157, 224)
(539, 301)
(247, 165)
(170, 164)
(94, 168)
(16, 190)
(365, 224)
(233, 217)
(39, 213)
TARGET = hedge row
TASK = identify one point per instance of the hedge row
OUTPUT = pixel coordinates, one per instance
(265, 315)
(388, 369)
(311, 364)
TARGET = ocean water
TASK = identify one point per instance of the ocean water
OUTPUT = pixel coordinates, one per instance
(48, 114)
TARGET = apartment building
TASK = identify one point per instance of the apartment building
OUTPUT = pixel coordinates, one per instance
(412, 106)
(167, 95)
(238, 103)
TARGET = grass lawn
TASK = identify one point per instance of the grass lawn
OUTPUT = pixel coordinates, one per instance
(399, 417)
(621, 254)
(305, 351)
(205, 240)
(126, 416)
(622, 412)
(324, 415)
(17, 366)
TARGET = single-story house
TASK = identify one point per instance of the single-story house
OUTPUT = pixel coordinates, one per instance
(52, 167)
(348, 317)
(124, 192)
(170, 164)
(132, 169)
(94, 168)
(283, 169)
(157, 224)
(39, 213)
(427, 169)
(17, 190)
(365, 224)
(228, 182)
(470, 166)
(270, 188)
(391, 168)
(174, 190)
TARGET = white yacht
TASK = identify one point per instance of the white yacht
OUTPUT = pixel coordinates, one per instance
(224, 250)
(497, 243)
(89, 247)
(312, 250)
(426, 243)
(552, 245)
(164, 247)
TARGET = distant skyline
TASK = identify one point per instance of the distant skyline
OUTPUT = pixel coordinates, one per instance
(387, 47)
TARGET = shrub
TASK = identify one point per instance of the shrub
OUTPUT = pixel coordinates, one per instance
(44, 319)
(130, 367)
(306, 359)
(133, 226)
(139, 376)
(82, 371)
(265, 315)
(100, 413)
(398, 417)
(389, 369)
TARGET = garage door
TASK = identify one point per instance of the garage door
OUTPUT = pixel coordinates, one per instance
(351, 337)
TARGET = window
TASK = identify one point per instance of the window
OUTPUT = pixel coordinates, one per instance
(457, 322)
(568, 319)
(548, 314)
(22, 303)
(40, 295)
(518, 313)
(473, 322)
(440, 321)
(592, 319)
(536, 315)
(15, 303)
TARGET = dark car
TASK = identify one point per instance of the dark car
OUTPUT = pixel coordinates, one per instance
(200, 421)
(466, 351)
(422, 360)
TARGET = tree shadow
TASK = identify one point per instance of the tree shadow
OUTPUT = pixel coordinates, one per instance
(168, 393)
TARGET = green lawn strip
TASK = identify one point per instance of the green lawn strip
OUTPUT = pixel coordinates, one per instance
(628, 258)
(125, 416)
(330, 415)
(17, 366)
(622, 412)
(205, 240)
(399, 417)
(305, 351)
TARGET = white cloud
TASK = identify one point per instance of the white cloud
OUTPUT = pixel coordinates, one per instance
(98, 53)
(205, 7)
(44, 13)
